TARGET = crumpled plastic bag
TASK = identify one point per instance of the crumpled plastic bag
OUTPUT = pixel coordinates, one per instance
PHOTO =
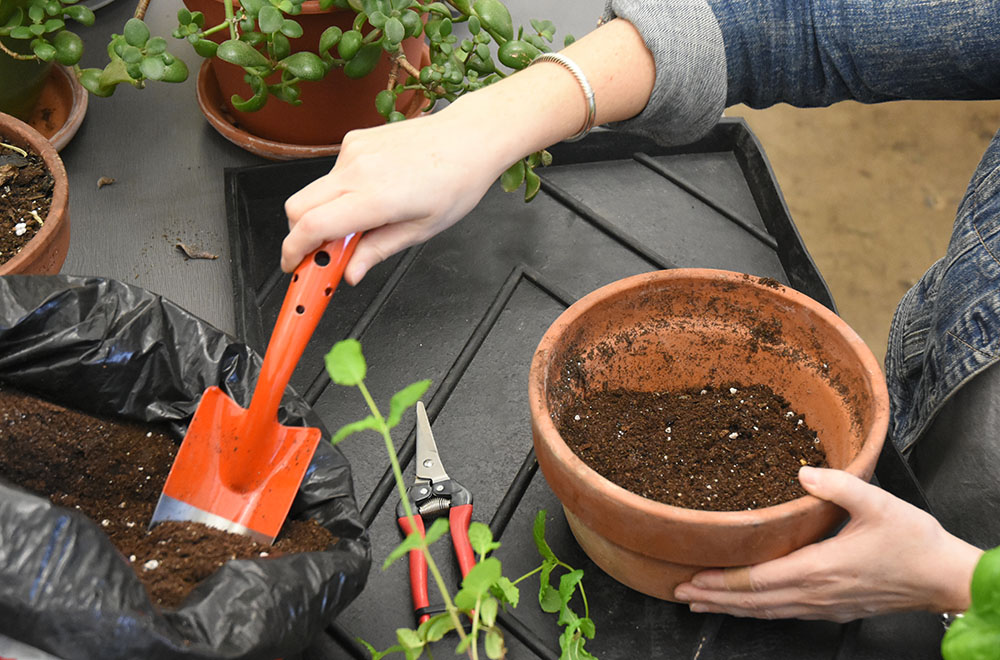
(108, 348)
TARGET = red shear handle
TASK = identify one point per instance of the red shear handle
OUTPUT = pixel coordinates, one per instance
(458, 521)
(418, 568)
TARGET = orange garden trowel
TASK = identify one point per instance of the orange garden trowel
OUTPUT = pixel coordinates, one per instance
(239, 469)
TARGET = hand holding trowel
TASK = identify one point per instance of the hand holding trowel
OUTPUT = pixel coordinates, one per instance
(239, 469)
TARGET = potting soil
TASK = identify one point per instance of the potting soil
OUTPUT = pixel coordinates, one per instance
(113, 471)
(26, 187)
(727, 448)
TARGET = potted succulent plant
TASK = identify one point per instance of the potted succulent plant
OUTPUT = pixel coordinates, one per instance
(278, 51)
(682, 329)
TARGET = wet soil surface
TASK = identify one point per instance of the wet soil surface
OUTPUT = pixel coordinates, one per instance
(26, 187)
(113, 471)
(726, 448)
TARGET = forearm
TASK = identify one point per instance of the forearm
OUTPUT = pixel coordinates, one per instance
(544, 103)
(952, 575)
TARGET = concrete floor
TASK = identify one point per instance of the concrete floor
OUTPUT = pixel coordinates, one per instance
(873, 190)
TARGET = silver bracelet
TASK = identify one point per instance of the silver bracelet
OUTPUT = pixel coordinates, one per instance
(588, 91)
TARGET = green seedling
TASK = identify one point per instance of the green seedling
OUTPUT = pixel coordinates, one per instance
(976, 635)
(485, 591)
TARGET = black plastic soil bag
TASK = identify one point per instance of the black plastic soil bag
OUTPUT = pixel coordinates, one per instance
(107, 348)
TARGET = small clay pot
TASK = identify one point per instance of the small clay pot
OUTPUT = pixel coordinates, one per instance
(685, 328)
(45, 253)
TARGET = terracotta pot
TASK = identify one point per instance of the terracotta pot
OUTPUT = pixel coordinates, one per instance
(45, 253)
(21, 81)
(685, 328)
(330, 107)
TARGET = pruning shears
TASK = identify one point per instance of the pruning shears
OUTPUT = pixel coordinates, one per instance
(432, 494)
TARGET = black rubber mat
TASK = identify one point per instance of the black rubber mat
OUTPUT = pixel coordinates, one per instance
(467, 310)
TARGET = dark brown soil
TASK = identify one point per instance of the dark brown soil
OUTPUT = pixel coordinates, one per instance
(113, 471)
(25, 197)
(729, 448)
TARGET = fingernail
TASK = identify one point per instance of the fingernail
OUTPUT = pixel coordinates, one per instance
(682, 593)
(807, 475)
(698, 607)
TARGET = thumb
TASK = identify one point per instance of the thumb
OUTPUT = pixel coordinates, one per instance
(841, 488)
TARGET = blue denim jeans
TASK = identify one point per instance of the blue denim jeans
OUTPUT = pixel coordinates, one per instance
(815, 53)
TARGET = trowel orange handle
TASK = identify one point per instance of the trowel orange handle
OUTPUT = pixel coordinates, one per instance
(309, 293)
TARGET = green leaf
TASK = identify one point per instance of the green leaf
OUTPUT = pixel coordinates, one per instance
(156, 46)
(506, 591)
(512, 179)
(259, 87)
(69, 48)
(517, 54)
(588, 628)
(114, 73)
(377, 19)
(270, 19)
(305, 65)
(54, 24)
(538, 532)
(345, 363)
(410, 641)
(400, 5)
(43, 50)
(404, 399)
(135, 32)
(350, 44)
(385, 102)
(183, 16)
(436, 627)
(280, 46)
(412, 23)
(532, 184)
(36, 29)
(411, 542)
(369, 423)
(488, 611)
(36, 13)
(463, 6)
(364, 62)
(21, 32)
(481, 538)
(378, 655)
(241, 54)
(330, 38)
(291, 29)
(493, 645)
(206, 47)
(396, 116)
(91, 81)
(568, 40)
(495, 17)
(175, 72)
(482, 576)
(394, 30)
(80, 14)
(153, 68)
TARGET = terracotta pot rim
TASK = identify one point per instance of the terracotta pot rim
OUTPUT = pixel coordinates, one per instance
(860, 466)
(24, 134)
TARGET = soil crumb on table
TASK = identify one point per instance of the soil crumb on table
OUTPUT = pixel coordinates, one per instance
(728, 448)
(113, 471)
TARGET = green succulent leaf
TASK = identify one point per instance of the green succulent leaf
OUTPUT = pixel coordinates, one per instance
(80, 14)
(183, 16)
(281, 47)
(36, 29)
(330, 38)
(91, 81)
(412, 23)
(270, 19)
(131, 55)
(396, 116)
(345, 363)
(36, 13)
(68, 46)
(206, 47)
(255, 102)
(156, 46)
(568, 40)
(394, 30)
(377, 19)
(532, 184)
(305, 65)
(54, 25)
(385, 102)
(21, 32)
(517, 54)
(463, 6)
(152, 68)
(512, 179)
(291, 29)
(135, 32)
(488, 609)
(175, 72)
(350, 44)
(43, 50)
(364, 61)
(495, 17)
(241, 54)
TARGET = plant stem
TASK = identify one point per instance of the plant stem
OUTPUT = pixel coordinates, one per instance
(526, 575)
(397, 472)
(140, 9)
(16, 56)
(13, 148)
(229, 18)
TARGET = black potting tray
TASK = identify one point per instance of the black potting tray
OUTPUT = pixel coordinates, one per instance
(467, 310)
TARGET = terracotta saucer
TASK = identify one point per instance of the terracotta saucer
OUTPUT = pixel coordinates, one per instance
(61, 107)
(212, 105)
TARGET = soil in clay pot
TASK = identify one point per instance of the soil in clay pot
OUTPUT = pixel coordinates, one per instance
(113, 471)
(726, 448)
(26, 187)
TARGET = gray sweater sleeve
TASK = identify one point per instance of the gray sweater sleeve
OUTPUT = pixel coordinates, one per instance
(690, 90)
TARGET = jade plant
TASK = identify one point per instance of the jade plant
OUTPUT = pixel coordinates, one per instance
(473, 610)
(259, 36)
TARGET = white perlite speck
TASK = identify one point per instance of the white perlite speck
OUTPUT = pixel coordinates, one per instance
(20, 228)
(150, 565)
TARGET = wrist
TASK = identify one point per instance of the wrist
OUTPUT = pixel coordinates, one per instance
(954, 593)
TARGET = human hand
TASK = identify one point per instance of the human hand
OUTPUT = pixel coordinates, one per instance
(401, 183)
(890, 557)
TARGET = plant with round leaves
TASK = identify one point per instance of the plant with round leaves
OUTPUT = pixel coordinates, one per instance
(261, 35)
(134, 56)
